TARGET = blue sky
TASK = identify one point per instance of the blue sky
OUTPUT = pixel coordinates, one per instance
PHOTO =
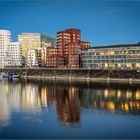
(101, 22)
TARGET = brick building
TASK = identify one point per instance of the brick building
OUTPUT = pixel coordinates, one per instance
(55, 61)
(69, 45)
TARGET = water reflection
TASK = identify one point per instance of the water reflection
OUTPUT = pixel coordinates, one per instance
(9, 101)
(117, 100)
(68, 105)
(30, 98)
(68, 99)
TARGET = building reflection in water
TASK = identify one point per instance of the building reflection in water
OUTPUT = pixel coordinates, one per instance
(30, 98)
(68, 99)
(68, 105)
(116, 100)
(9, 101)
(43, 97)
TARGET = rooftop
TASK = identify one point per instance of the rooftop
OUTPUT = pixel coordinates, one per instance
(115, 46)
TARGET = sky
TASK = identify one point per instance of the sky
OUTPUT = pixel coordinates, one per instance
(101, 22)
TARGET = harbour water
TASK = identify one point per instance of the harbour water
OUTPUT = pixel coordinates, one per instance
(68, 109)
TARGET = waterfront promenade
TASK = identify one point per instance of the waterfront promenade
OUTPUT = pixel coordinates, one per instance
(77, 74)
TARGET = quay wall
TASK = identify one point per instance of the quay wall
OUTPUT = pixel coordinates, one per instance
(116, 76)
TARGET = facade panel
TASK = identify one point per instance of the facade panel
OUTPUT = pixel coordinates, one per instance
(112, 57)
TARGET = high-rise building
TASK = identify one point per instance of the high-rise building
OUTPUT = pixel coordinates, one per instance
(65, 37)
(72, 55)
(10, 52)
(34, 40)
(69, 45)
(5, 39)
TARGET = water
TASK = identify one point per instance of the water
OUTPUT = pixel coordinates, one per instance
(49, 109)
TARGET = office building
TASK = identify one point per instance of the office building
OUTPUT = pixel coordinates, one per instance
(72, 55)
(15, 53)
(32, 58)
(5, 39)
(5, 62)
(55, 61)
(34, 40)
(10, 52)
(42, 56)
(126, 56)
(69, 45)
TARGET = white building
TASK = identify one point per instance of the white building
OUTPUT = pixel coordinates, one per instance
(32, 58)
(5, 39)
(10, 52)
(15, 53)
(5, 62)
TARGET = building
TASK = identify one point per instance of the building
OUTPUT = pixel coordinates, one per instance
(5, 39)
(42, 56)
(10, 52)
(5, 62)
(34, 40)
(67, 36)
(84, 45)
(72, 55)
(55, 61)
(15, 53)
(125, 56)
(32, 58)
(69, 45)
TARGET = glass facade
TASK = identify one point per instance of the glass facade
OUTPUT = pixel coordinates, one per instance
(112, 57)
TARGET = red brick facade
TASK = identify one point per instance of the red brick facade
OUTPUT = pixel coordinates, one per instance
(68, 49)
(69, 45)
(55, 61)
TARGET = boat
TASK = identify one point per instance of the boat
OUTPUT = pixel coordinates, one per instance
(10, 75)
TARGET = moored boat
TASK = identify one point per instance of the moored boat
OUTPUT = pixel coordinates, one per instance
(9, 75)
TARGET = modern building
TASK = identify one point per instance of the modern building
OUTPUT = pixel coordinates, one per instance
(84, 45)
(67, 36)
(5, 62)
(125, 56)
(72, 55)
(34, 40)
(69, 45)
(5, 39)
(15, 53)
(32, 58)
(10, 52)
(55, 61)
(42, 56)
